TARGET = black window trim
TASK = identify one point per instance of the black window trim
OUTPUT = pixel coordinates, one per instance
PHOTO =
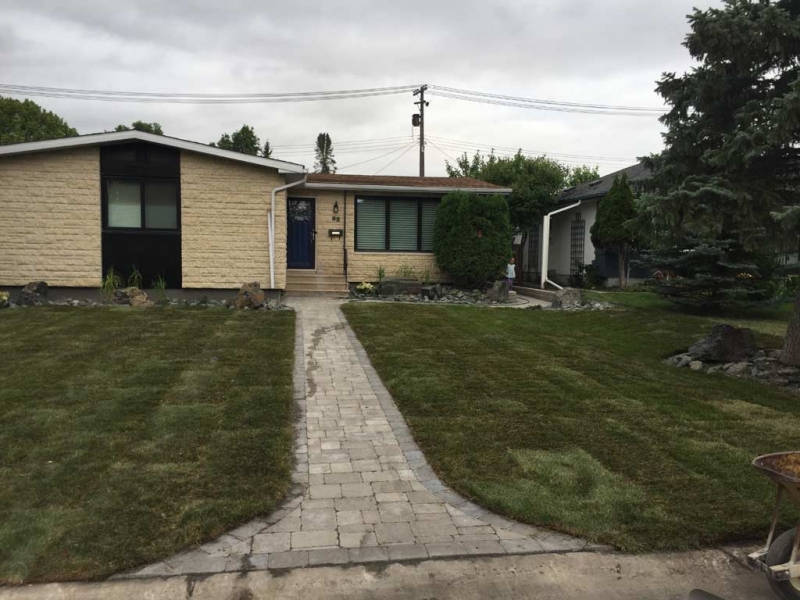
(143, 229)
(387, 203)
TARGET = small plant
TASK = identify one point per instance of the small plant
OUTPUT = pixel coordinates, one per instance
(405, 270)
(365, 288)
(135, 278)
(381, 274)
(425, 276)
(111, 282)
(159, 284)
(4, 299)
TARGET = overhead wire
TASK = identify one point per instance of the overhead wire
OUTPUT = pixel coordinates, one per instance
(379, 157)
(395, 159)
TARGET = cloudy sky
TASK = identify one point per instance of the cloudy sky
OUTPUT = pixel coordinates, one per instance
(605, 52)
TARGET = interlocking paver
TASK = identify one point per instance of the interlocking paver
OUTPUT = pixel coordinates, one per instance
(365, 492)
(314, 539)
(271, 542)
(394, 533)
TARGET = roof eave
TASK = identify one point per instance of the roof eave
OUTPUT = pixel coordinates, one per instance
(96, 139)
(402, 188)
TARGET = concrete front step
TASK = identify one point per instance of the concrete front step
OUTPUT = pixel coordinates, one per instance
(317, 293)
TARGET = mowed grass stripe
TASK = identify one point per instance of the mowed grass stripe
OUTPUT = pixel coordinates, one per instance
(131, 434)
(571, 421)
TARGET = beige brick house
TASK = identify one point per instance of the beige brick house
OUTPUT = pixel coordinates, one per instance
(204, 218)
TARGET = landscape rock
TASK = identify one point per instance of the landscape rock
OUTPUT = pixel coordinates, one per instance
(498, 292)
(131, 296)
(725, 343)
(250, 295)
(696, 365)
(738, 368)
(568, 297)
(34, 293)
(399, 285)
(429, 292)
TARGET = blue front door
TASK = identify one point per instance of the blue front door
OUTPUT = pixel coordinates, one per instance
(300, 233)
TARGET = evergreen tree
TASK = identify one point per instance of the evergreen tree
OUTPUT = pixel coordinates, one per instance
(325, 163)
(611, 230)
(267, 151)
(726, 184)
(26, 121)
(153, 127)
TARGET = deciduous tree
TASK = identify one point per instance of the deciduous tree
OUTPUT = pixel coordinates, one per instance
(244, 140)
(153, 127)
(26, 121)
(535, 181)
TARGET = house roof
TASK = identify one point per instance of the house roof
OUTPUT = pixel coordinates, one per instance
(115, 137)
(401, 183)
(600, 187)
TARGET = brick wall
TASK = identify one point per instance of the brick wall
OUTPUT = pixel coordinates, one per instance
(50, 219)
(224, 207)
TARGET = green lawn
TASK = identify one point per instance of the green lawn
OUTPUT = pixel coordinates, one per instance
(129, 434)
(571, 421)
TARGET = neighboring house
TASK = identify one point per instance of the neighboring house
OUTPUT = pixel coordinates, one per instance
(205, 218)
(570, 244)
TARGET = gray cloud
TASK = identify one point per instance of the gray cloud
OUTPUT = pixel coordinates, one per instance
(576, 50)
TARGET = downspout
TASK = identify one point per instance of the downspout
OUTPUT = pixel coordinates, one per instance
(546, 244)
(271, 227)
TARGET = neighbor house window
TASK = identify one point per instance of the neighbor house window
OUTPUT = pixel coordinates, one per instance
(142, 203)
(395, 224)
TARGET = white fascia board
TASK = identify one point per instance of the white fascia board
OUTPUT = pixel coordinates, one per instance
(161, 140)
(403, 188)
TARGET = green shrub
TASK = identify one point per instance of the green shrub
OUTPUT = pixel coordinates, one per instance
(472, 237)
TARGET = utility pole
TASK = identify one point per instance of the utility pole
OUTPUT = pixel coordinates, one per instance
(419, 121)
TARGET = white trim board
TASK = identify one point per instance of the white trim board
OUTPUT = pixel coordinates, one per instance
(402, 188)
(130, 135)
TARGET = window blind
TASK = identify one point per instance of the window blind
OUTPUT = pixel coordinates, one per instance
(371, 224)
(403, 224)
(428, 219)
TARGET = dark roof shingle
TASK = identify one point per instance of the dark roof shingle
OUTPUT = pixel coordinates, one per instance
(600, 187)
(395, 180)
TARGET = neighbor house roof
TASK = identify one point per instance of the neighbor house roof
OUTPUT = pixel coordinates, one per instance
(131, 135)
(600, 187)
(328, 181)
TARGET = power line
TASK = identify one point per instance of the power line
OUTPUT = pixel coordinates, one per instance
(410, 146)
(445, 154)
(282, 97)
(510, 150)
(545, 102)
(192, 98)
(381, 156)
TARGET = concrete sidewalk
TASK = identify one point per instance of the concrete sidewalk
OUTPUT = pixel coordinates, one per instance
(543, 577)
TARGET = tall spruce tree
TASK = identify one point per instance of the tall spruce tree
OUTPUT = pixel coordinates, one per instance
(325, 163)
(611, 230)
(726, 184)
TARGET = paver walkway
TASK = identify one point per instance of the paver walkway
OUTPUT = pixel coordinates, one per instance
(363, 490)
